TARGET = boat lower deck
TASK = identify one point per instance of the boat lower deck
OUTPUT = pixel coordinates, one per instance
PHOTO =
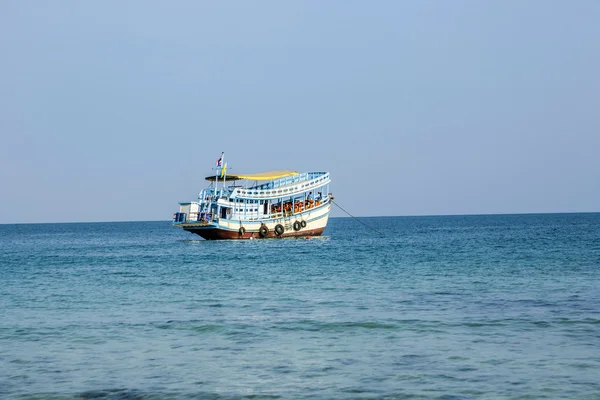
(308, 223)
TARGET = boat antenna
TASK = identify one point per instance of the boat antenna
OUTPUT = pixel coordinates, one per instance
(358, 220)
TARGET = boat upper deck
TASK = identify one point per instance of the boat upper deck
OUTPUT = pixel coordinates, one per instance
(281, 187)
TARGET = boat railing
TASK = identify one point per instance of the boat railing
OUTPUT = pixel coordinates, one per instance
(192, 217)
(267, 190)
(289, 180)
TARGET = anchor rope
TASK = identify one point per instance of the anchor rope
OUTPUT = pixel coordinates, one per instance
(357, 220)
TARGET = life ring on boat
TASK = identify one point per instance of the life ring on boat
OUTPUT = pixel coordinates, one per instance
(279, 229)
(242, 230)
(303, 223)
(263, 231)
(297, 225)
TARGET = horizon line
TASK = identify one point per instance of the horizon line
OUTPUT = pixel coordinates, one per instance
(367, 216)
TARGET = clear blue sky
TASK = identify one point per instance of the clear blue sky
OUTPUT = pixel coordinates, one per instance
(116, 110)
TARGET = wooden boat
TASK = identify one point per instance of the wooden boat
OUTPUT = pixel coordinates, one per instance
(275, 204)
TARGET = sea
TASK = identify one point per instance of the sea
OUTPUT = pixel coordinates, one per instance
(448, 307)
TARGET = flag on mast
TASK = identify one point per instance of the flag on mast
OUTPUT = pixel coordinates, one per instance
(220, 160)
(224, 171)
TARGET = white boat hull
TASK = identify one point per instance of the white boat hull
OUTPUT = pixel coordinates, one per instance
(315, 221)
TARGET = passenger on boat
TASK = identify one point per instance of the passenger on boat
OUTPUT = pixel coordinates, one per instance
(309, 196)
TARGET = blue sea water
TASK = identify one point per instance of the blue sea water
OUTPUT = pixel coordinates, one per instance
(456, 307)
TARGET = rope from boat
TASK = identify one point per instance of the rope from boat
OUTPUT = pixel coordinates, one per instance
(358, 220)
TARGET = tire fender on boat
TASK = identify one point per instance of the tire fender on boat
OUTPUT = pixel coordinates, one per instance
(303, 223)
(279, 229)
(297, 225)
(263, 231)
(242, 230)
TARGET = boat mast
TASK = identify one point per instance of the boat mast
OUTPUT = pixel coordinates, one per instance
(217, 172)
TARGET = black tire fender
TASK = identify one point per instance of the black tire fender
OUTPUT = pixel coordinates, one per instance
(263, 231)
(279, 229)
(297, 225)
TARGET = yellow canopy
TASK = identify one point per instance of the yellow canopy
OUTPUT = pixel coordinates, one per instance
(264, 176)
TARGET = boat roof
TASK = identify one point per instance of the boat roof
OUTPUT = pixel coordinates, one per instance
(263, 176)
